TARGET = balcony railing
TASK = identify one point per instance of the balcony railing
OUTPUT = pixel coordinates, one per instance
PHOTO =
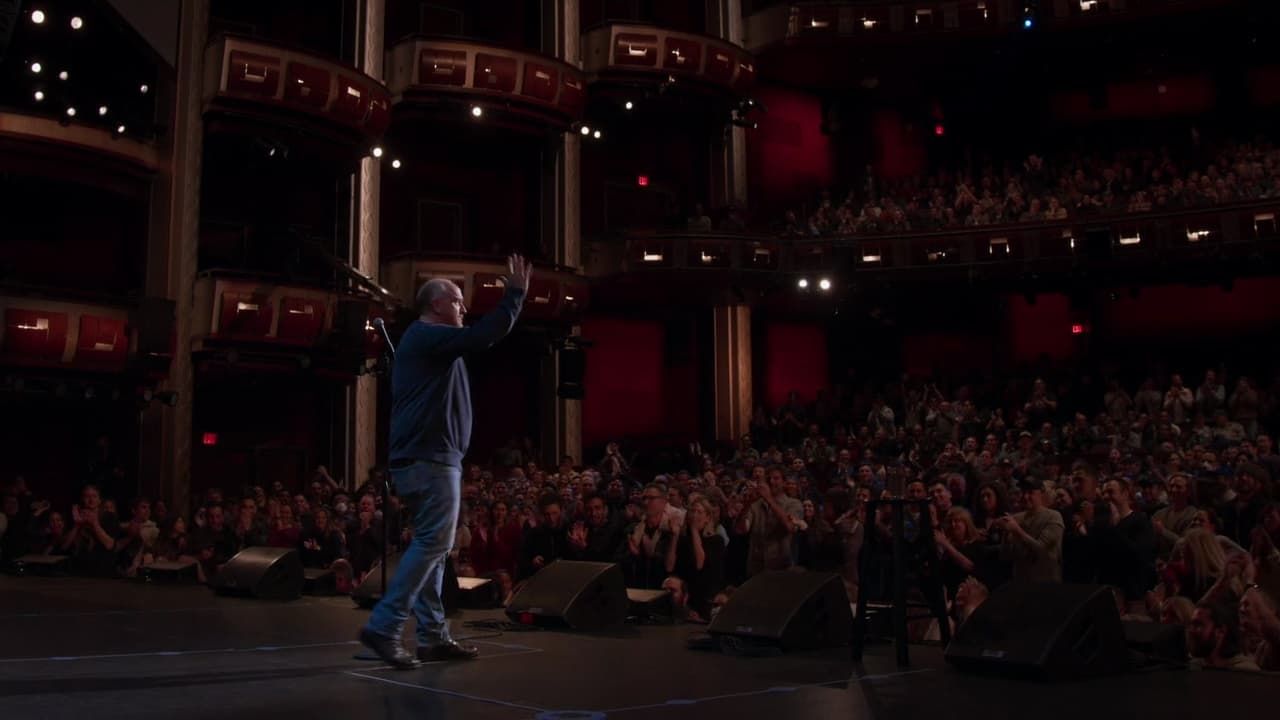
(243, 314)
(289, 86)
(426, 71)
(639, 53)
(891, 21)
(1221, 232)
(50, 332)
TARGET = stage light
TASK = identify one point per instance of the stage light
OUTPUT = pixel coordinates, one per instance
(377, 152)
(642, 180)
(597, 134)
(102, 109)
(77, 22)
(802, 283)
(120, 129)
(36, 68)
(63, 75)
(476, 111)
(1027, 23)
(71, 112)
(209, 439)
(939, 130)
(395, 164)
(37, 17)
(825, 284)
(629, 105)
(144, 89)
(39, 96)
(585, 130)
(1077, 329)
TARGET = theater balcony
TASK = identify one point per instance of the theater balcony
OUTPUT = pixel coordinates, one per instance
(460, 80)
(1205, 245)
(263, 88)
(557, 296)
(894, 22)
(79, 92)
(256, 322)
(623, 59)
(65, 334)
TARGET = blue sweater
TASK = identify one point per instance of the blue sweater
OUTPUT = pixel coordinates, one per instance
(430, 393)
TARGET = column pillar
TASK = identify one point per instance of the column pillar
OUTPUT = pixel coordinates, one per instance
(164, 453)
(560, 419)
(729, 154)
(368, 189)
(731, 327)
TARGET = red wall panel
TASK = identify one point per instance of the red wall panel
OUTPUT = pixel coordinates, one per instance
(1040, 328)
(788, 156)
(624, 379)
(794, 357)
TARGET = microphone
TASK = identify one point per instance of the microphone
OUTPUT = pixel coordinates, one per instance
(382, 327)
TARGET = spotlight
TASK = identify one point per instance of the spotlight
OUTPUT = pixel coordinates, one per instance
(395, 164)
(585, 130)
(377, 152)
(629, 105)
(825, 284)
(1027, 23)
(36, 68)
(37, 17)
(77, 22)
(102, 109)
(144, 89)
(39, 95)
(597, 134)
(71, 112)
(63, 75)
(476, 111)
(120, 129)
(802, 283)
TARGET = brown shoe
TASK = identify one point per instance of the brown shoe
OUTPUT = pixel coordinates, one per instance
(447, 651)
(389, 650)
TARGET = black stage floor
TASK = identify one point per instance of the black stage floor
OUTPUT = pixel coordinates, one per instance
(73, 648)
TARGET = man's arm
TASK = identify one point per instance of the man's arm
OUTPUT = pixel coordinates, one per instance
(495, 325)
(491, 328)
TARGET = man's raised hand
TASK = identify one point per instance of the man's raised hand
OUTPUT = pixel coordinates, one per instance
(518, 272)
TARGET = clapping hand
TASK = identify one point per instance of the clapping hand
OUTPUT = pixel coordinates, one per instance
(519, 271)
(578, 535)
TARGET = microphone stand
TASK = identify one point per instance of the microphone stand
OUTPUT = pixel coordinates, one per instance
(388, 358)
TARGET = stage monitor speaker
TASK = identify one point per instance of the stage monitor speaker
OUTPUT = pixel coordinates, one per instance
(1043, 631)
(262, 572)
(790, 609)
(581, 595)
(573, 368)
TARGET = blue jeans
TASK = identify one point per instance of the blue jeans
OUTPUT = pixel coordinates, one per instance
(431, 493)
